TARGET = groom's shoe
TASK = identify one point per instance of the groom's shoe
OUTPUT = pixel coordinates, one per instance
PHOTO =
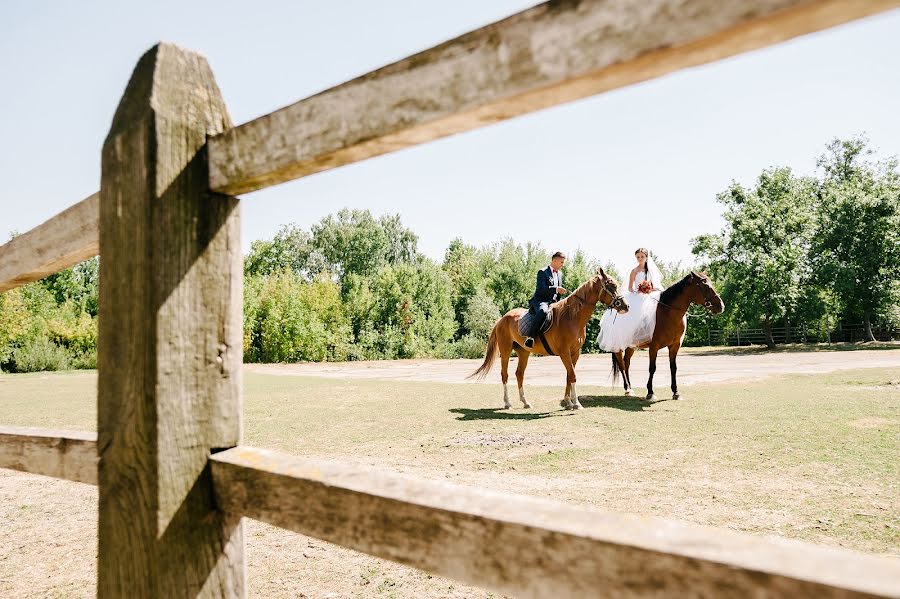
(529, 342)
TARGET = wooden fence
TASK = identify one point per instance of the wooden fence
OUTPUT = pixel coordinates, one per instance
(842, 333)
(175, 481)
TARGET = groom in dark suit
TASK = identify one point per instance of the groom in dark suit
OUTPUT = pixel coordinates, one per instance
(547, 290)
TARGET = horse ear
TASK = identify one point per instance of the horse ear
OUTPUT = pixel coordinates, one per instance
(600, 272)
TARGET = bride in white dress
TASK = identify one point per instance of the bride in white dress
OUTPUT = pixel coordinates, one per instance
(634, 328)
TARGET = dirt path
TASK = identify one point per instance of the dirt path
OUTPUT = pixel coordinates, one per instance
(708, 367)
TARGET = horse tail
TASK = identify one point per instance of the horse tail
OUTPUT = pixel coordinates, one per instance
(490, 354)
(616, 369)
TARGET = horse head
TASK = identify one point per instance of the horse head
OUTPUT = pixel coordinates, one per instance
(608, 292)
(704, 294)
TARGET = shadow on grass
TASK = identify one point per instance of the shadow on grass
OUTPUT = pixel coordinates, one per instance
(627, 404)
(502, 414)
(618, 402)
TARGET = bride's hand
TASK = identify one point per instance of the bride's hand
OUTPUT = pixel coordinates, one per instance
(561, 290)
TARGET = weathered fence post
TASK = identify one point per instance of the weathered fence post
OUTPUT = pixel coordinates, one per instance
(170, 339)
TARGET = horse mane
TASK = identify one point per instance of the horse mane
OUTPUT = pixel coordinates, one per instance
(566, 307)
(674, 291)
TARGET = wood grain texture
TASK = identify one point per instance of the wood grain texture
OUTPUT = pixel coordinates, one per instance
(169, 355)
(553, 53)
(529, 547)
(63, 241)
(71, 455)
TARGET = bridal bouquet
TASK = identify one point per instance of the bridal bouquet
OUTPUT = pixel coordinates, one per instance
(645, 287)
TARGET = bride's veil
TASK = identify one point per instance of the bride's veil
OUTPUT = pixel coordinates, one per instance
(653, 274)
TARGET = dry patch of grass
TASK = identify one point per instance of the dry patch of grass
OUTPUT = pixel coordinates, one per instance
(812, 457)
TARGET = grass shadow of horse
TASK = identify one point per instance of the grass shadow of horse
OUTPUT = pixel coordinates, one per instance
(618, 402)
(502, 414)
(628, 404)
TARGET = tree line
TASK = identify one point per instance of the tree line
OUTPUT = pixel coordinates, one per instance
(811, 250)
(794, 250)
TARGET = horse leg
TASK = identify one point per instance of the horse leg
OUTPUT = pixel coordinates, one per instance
(653, 352)
(505, 351)
(673, 352)
(520, 376)
(571, 400)
(628, 389)
(573, 396)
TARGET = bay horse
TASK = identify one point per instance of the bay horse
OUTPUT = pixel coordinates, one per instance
(565, 336)
(671, 324)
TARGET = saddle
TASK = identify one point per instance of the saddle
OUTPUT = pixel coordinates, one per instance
(526, 319)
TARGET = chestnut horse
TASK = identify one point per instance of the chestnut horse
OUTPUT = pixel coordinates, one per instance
(671, 323)
(565, 337)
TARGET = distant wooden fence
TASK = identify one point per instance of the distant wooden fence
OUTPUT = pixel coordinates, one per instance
(174, 480)
(843, 333)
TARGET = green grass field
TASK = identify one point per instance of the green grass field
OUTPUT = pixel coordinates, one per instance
(812, 457)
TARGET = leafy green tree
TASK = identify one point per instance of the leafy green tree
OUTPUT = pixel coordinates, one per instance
(354, 241)
(857, 244)
(37, 333)
(511, 270)
(761, 256)
(412, 310)
(467, 278)
(79, 285)
(288, 319)
(291, 249)
(481, 315)
(404, 311)
(15, 322)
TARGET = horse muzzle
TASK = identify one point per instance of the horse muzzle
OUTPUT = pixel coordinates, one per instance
(714, 308)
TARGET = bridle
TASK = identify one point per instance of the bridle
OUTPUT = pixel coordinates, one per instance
(617, 303)
(708, 302)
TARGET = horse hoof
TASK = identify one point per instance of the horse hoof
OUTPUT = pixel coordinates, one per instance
(676, 396)
(506, 407)
(527, 406)
(629, 393)
(650, 397)
(564, 403)
(577, 405)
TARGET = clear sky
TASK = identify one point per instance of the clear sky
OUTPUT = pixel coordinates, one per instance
(638, 166)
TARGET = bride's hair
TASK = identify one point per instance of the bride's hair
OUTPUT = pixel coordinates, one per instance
(646, 252)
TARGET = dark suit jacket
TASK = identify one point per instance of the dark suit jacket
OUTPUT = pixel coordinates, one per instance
(545, 290)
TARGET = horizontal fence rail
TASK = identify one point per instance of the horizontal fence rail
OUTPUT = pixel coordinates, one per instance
(554, 53)
(526, 546)
(63, 241)
(522, 545)
(70, 455)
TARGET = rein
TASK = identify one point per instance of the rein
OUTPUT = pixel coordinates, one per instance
(605, 288)
(687, 313)
(706, 304)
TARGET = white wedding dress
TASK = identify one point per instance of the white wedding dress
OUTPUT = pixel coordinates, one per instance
(621, 331)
